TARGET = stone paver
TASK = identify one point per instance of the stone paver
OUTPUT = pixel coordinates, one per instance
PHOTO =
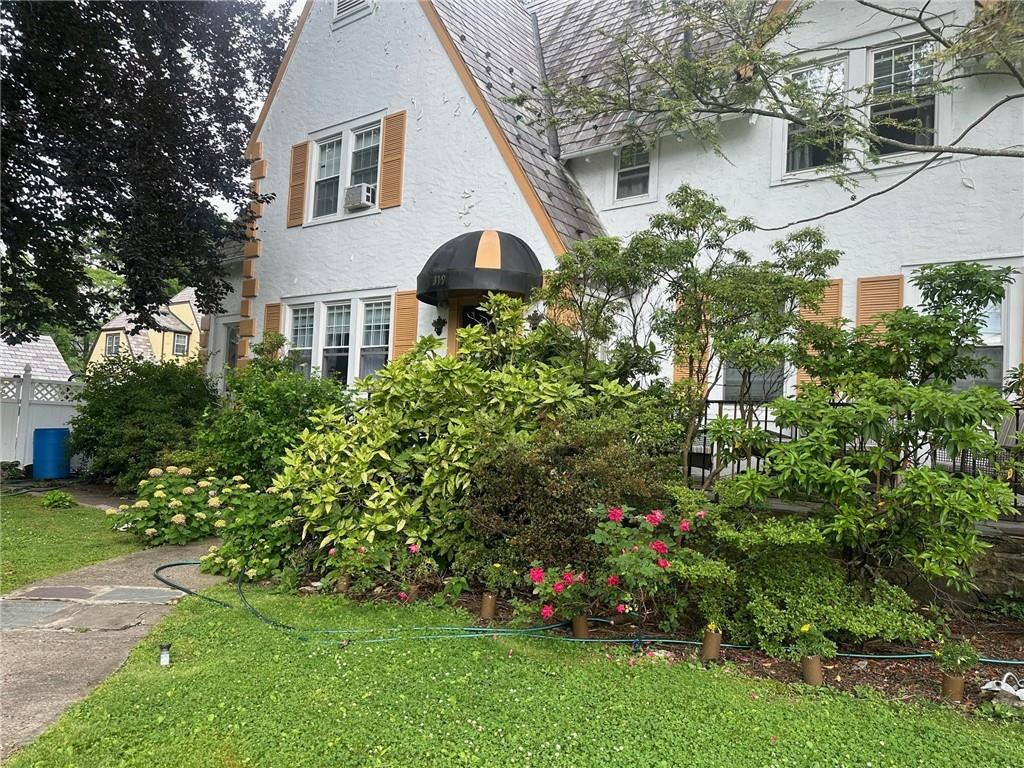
(63, 635)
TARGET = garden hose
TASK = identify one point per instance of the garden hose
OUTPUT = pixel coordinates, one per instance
(462, 632)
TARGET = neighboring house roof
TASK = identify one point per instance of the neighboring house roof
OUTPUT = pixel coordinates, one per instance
(164, 318)
(498, 43)
(42, 354)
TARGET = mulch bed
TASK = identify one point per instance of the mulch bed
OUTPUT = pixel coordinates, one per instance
(901, 679)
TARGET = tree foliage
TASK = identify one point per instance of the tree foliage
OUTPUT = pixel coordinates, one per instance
(123, 122)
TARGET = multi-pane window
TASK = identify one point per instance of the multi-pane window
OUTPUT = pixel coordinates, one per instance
(633, 177)
(806, 148)
(762, 386)
(337, 341)
(990, 352)
(901, 112)
(373, 353)
(112, 345)
(365, 157)
(328, 178)
(302, 338)
(180, 348)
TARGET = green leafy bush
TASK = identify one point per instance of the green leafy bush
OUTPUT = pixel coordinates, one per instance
(397, 470)
(58, 500)
(955, 657)
(267, 406)
(131, 410)
(174, 507)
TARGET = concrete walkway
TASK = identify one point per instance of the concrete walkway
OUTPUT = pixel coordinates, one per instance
(63, 635)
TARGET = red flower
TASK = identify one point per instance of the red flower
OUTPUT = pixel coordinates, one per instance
(655, 517)
(613, 581)
(536, 575)
(659, 546)
(558, 586)
(662, 562)
(684, 526)
(567, 577)
(579, 578)
(332, 552)
(402, 596)
(414, 548)
(701, 514)
(547, 611)
(621, 608)
(615, 514)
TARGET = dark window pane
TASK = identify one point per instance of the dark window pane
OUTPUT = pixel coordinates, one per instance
(335, 364)
(916, 124)
(801, 155)
(633, 183)
(325, 198)
(763, 386)
(372, 359)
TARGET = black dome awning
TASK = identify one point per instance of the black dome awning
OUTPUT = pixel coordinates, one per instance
(478, 262)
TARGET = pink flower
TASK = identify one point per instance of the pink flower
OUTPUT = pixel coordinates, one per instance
(613, 581)
(662, 562)
(567, 577)
(558, 587)
(414, 548)
(621, 608)
(659, 546)
(332, 552)
(655, 517)
(701, 514)
(402, 596)
(361, 550)
(547, 612)
(684, 526)
(615, 514)
(536, 575)
(579, 578)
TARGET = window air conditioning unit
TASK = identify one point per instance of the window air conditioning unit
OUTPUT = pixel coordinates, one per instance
(358, 197)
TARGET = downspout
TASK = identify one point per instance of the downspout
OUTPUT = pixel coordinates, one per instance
(550, 132)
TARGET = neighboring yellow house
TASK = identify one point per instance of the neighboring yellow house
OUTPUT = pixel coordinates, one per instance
(175, 338)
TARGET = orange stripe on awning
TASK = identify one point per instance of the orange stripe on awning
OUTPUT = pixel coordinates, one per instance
(488, 252)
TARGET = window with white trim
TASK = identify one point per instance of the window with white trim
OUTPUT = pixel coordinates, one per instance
(373, 354)
(328, 178)
(990, 351)
(824, 83)
(180, 346)
(112, 345)
(337, 341)
(633, 172)
(301, 338)
(762, 387)
(365, 164)
(901, 113)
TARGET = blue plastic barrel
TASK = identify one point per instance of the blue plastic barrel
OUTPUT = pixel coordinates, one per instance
(50, 459)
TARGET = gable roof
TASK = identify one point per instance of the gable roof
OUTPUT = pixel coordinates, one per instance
(164, 318)
(42, 354)
(498, 43)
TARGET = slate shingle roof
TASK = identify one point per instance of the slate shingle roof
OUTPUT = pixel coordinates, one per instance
(497, 42)
(42, 354)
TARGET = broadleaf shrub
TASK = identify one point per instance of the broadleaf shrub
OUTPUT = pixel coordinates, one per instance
(131, 410)
(266, 407)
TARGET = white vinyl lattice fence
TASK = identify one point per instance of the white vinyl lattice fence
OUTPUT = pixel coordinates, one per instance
(28, 404)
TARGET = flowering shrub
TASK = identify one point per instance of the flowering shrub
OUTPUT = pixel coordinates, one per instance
(259, 535)
(565, 592)
(808, 640)
(955, 657)
(174, 507)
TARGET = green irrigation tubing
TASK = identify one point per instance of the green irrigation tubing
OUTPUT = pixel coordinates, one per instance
(472, 632)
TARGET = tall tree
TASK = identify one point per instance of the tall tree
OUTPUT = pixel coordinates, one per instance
(123, 123)
(689, 63)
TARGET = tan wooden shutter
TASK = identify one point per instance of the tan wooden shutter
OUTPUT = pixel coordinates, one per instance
(297, 184)
(272, 318)
(405, 326)
(392, 161)
(876, 295)
(830, 311)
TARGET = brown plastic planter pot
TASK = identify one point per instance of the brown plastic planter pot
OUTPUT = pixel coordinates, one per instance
(952, 687)
(711, 648)
(580, 629)
(810, 669)
(488, 605)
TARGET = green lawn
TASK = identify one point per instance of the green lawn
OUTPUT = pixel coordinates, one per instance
(37, 542)
(240, 693)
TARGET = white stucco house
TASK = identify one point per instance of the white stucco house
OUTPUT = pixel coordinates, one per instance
(387, 133)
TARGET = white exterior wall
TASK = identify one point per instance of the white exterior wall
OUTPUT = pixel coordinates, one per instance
(964, 209)
(455, 180)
